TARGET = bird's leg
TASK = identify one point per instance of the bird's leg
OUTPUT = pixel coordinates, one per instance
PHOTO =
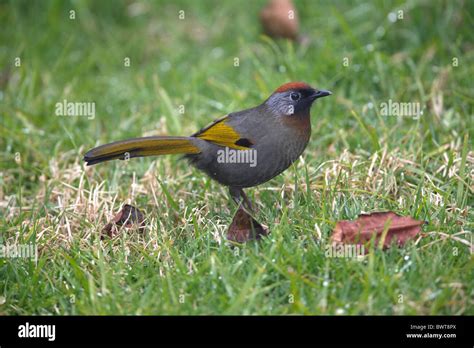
(244, 227)
(239, 197)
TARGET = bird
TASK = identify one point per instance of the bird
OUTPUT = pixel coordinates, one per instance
(276, 133)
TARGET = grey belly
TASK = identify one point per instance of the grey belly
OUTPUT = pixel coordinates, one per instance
(231, 167)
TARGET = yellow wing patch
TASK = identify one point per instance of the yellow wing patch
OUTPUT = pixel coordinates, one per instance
(221, 134)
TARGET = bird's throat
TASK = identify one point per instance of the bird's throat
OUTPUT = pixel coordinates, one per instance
(300, 123)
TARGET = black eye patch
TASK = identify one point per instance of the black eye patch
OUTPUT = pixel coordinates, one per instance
(305, 93)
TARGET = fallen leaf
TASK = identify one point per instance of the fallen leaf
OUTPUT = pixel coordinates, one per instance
(244, 228)
(128, 217)
(360, 231)
(279, 19)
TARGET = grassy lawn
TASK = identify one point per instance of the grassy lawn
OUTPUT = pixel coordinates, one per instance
(358, 159)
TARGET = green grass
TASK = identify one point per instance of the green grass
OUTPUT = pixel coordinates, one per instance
(357, 161)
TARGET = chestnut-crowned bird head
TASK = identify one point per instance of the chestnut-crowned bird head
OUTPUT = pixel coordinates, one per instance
(294, 98)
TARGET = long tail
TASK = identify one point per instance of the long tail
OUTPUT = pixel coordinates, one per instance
(140, 147)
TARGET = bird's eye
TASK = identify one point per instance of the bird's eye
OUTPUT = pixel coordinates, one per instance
(295, 96)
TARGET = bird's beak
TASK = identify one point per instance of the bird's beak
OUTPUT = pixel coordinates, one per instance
(321, 93)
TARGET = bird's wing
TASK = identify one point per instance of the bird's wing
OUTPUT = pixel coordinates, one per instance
(220, 132)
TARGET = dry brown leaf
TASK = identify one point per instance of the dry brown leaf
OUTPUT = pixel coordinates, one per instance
(360, 231)
(244, 228)
(280, 20)
(128, 217)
